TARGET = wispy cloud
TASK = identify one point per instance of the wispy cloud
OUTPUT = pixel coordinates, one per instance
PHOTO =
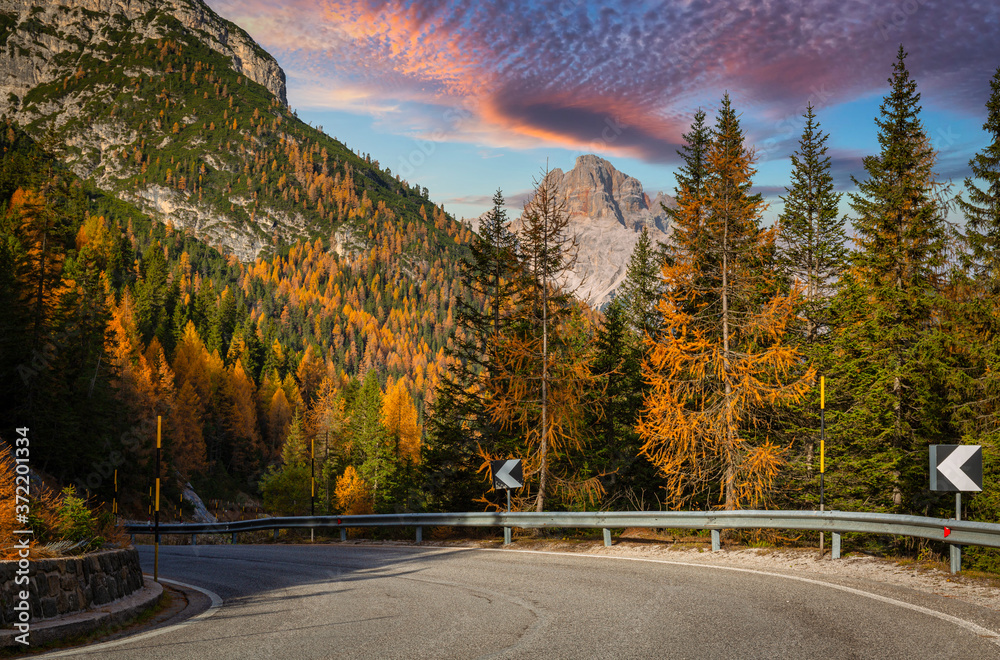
(620, 80)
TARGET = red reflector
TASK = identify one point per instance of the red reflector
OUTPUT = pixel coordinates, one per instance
(947, 531)
(338, 522)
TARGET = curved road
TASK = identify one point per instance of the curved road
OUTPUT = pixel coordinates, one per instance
(371, 601)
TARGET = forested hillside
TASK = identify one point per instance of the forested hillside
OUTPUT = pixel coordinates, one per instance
(116, 319)
(174, 242)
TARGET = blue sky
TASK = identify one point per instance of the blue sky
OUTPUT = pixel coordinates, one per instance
(465, 97)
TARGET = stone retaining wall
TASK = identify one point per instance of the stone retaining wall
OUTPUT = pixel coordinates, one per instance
(70, 584)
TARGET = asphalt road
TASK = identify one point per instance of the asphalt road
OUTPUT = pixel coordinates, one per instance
(362, 601)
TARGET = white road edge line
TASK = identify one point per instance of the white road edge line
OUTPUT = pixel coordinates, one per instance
(213, 608)
(968, 625)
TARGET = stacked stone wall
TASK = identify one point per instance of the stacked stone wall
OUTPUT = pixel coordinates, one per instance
(69, 584)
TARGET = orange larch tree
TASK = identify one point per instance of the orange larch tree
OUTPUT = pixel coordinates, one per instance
(720, 365)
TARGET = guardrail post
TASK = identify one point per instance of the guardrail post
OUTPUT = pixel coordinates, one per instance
(607, 537)
(194, 539)
(343, 534)
(276, 530)
(506, 536)
(956, 558)
(835, 546)
(234, 538)
(716, 541)
(420, 534)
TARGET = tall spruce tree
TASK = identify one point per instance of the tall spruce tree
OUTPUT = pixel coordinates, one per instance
(628, 478)
(721, 365)
(689, 193)
(461, 424)
(811, 241)
(641, 288)
(979, 308)
(887, 353)
(982, 209)
(812, 253)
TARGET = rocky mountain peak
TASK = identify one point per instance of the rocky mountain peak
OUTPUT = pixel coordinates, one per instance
(609, 210)
(37, 36)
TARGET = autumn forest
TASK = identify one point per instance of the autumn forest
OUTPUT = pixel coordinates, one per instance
(404, 351)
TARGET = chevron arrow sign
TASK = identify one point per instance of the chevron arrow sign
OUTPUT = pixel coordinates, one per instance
(507, 474)
(957, 468)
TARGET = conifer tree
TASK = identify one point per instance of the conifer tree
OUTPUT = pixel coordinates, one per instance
(811, 254)
(978, 298)
(539, 379)
(626, 475)
(370, 443)
(460, 424)
(982, 209)
(641, 288)
(812, 240)
(887, 357)
(722, 362)
(689, 193)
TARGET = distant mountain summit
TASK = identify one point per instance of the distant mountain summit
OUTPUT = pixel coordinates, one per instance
(609, 209)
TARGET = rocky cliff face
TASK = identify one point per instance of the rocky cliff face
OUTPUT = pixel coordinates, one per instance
(41, 39)
(95, 73)
(609, 210)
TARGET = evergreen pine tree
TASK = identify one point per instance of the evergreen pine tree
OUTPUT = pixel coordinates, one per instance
(982, 210)
(887, 354)
(689, 193)
(812, 240)
(978, 298)
(460, 424)
(628, 478)
(811, 254)
(641, 288)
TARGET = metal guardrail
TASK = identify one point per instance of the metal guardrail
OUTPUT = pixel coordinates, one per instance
(962, 532)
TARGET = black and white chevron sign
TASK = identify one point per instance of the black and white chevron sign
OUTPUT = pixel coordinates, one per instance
(957, 468)
(507, 474)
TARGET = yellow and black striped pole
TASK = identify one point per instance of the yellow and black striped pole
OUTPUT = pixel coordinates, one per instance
(312, 491)
(822, 451)
(156, 518)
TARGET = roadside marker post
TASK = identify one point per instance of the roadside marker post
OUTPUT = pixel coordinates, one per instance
(822, 451)
(506, 475)
(156, 518)
(956, 468)
(312, 492)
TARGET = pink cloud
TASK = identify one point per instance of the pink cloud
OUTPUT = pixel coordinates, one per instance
(622, 79)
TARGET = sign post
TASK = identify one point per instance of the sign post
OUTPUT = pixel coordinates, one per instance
(156, 514)
(312, 480)
(956, 468)
(506, 475)
(822, 451)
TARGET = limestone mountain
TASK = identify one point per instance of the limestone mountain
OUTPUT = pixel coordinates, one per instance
(609, 210)
(169, 107)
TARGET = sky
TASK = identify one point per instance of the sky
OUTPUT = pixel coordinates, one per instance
(467, 97)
